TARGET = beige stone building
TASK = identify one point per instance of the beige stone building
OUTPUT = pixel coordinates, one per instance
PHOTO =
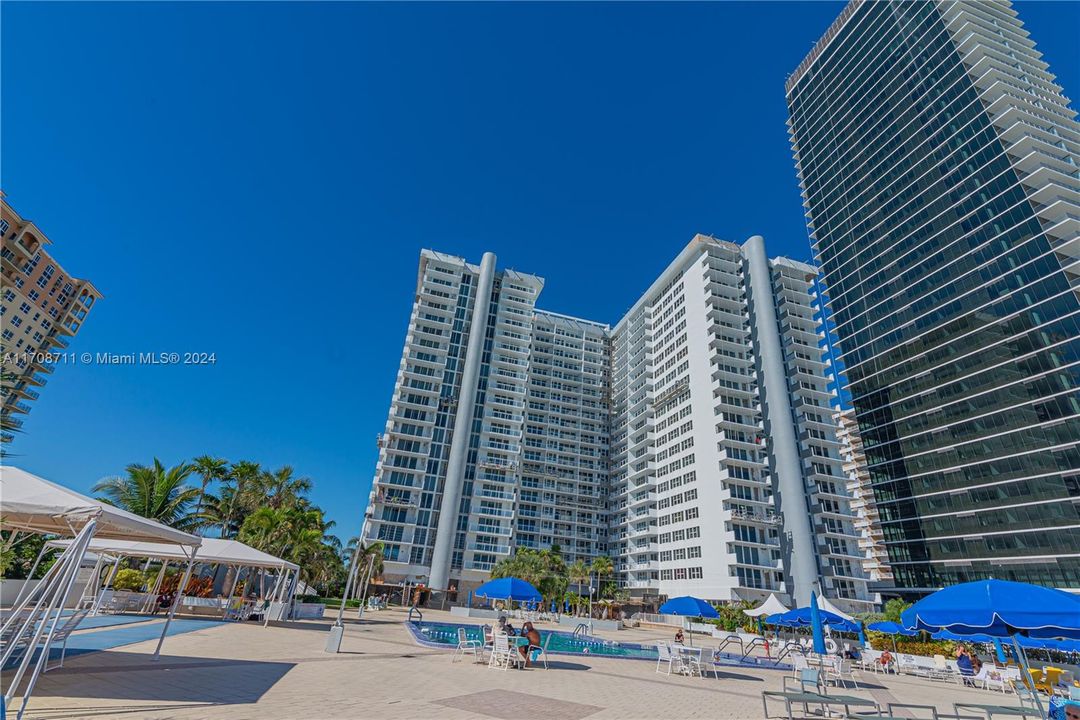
(42, 305)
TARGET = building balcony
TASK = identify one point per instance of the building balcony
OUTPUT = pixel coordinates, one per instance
(502, 530)
(489, 548)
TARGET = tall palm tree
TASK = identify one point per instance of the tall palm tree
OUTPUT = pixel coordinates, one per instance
(280, 488)
(601, 567)
(235, 493)
(154, 492)
(578, 572)
(211, 470)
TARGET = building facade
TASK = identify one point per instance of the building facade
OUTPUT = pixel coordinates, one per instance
(42, 308)
(863, 504)
(692, 442)
(938, 162)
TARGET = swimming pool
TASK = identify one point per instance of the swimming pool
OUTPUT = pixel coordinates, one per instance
(445, 635)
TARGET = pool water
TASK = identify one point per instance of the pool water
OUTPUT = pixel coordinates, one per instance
(440, 634)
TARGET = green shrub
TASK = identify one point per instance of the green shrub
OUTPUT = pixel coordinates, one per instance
(129, 579)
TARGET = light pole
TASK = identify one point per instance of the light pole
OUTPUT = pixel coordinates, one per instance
(333, 641)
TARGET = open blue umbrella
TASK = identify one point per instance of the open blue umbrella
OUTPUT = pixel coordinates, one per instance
(999, 608)
(688, 606)
(801, 617)
(891, 628)
(508, 588)
(816, 626)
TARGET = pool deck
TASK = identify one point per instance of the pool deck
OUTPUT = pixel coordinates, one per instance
(242, 670)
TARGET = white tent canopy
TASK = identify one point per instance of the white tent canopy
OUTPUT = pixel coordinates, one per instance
(32, 504)
(824, 604)
(770, 607)
(213, 551)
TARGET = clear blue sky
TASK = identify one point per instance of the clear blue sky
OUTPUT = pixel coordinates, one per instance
(257, 180)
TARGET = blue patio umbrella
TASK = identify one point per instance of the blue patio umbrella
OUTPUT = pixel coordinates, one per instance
(862, 637)
(891, 628)
(508, 588)
(800, 617)
(816, 625)
(688, 606)
(999, 608)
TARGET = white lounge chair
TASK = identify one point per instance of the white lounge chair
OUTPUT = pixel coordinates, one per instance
(59, 638)
(665, 655)
(993, 678)
(840, 672)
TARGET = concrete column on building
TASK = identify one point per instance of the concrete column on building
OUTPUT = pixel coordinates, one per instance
(802, 572)
(459, 445)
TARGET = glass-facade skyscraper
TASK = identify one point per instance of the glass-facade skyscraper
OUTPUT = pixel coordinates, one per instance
(938, 162)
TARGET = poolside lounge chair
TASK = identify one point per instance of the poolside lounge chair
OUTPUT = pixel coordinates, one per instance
(993, 678)
(465, 645)
(665, 655)
(60, 637)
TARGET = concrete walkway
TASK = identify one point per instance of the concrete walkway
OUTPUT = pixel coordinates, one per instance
(242, 670)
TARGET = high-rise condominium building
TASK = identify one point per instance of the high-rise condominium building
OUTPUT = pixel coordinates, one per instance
(693, 442)
(42, 305)
(938, 161)
(867, 519)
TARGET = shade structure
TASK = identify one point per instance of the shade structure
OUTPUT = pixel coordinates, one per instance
(891, 628)
(508, 588)
(1028, 643)
(825, 604)
(36, 505)
(212, 551)
(771, 606)
(998, 608)
(689, 606)
(800, 617)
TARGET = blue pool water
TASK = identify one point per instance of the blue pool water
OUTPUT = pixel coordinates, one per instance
(440, 634)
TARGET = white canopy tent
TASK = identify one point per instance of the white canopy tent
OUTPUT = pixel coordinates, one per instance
(771, 606)
(824, 604)
(32, 504)
(213, 551)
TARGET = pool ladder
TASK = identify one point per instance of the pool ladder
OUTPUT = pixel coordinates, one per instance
(414, 609)
(583, 630)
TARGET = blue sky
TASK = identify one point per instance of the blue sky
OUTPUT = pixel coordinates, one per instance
(257, 180)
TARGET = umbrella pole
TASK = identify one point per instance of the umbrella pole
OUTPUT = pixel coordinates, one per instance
(1027, 678)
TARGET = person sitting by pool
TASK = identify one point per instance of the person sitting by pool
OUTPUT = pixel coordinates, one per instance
(505, 628)
(679, 638)
(964, 664)
(886, 660)
(164, 602)
(530, 632)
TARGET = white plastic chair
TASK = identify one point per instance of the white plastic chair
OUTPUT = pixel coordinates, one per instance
(993, 678)
(465, 645)
(798, 664)
(543, 650)
(840, 672)
(664, 655)
(503, 654)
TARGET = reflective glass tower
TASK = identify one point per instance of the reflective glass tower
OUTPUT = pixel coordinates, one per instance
(938, 162)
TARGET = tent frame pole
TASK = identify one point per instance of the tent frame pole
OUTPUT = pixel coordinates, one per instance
(108, 582)
(1027, 678)
(30, 575)
(17, 609)
(232, 589)
(176, 602)
(61, 588)
(363, 592)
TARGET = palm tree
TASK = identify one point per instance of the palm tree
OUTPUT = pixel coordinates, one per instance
(211, 470)
(601, 567)
(280, 489)
(154, 492)
(235, 493)
(578, 572)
